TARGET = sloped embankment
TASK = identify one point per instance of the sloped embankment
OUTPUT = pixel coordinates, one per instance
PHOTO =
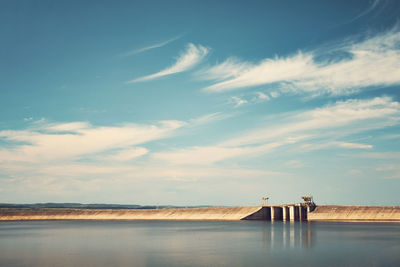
(355, 213)
(215, 213)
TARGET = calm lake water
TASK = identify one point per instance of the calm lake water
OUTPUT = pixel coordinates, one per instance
(169, 243)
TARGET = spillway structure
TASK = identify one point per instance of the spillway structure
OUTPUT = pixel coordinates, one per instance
(290, 212)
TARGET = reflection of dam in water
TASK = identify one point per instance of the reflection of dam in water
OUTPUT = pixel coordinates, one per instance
(278, 235)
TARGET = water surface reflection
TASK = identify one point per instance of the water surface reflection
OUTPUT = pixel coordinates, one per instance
(168, 243)
(284, 235)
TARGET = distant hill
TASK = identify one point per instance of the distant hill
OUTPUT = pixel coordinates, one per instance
(89, 206)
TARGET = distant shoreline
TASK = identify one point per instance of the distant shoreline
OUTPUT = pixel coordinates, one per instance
(94, 206)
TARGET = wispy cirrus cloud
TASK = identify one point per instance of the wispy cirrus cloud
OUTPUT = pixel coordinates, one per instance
(341, 69)
(333, 119)
(232, 67)
(208, 118)
(79, 140)
(187, 59)
(81, 151)
(55, 160)
(324, 126)
(60, 158)
(260, 96)
(149, 47)
(320, 128)
(206, 155)
(326, 144)
(354, 145)
(237, 101)
(371, 7)
(126, 154)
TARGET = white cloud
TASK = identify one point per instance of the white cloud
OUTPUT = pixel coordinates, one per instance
(267, 71)
(150, 47)
(322, 125)
(126, 154)
(61, 179)
(208, 118)
(361, 114)
(354, 145)
(237, 101)
(51, 142)
(68, 142)
(67, 127)
(207, 155)
(199, 155)
(58, 156)
(374, 61)
(326, 144)
(261, 97)
(230, 68)
(188, 59)
(274, 94)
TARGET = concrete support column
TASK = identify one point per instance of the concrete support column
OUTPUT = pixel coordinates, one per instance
(276, 213)
(285, 213)
(294, 213)
(301, 213)
(305, 213)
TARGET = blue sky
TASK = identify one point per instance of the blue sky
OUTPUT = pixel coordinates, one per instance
(200, 102)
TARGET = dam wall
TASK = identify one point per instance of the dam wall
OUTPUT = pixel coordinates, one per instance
(355, 213)
(262, 214)
(292, 212)
(214, 213)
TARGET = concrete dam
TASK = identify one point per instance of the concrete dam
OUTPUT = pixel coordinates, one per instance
(290, 213)
(195, 214)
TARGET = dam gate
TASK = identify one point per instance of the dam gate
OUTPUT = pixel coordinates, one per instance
(289, 212)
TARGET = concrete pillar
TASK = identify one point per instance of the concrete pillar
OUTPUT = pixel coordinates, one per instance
(276, 213)
(301, 213)
(285, 213)
(294, 213)
(291, 213)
